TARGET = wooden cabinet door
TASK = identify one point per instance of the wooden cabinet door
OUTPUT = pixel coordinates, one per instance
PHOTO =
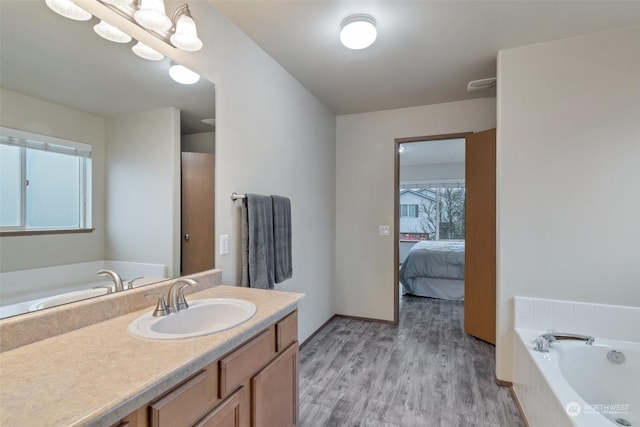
(274, 392)
(480, 238)
(233, 412)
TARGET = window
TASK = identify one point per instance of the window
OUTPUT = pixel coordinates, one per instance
(45, 182)
(440, 215)
(409, 211)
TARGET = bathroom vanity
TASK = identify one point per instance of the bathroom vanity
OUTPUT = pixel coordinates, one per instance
(102, 375)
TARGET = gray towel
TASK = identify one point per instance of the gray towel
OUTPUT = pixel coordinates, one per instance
(257, 242)
(282, 238)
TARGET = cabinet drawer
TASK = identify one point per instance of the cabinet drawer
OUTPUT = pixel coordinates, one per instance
(183, 406)
(246, 361)
(287, 331)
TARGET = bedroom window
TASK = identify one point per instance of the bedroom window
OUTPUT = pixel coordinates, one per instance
(45, 182)
(439, 216)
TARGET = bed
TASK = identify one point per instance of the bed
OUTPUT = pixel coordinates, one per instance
(434, 268)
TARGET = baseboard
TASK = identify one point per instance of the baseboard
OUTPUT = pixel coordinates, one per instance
(518, 405)
(317, 331)
(342, 316)
(365, 319)
(503, 383)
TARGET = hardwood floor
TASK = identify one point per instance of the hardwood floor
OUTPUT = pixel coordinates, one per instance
(424, 372)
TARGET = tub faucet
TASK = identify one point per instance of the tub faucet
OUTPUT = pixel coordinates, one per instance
(117, 281)
(543, 342)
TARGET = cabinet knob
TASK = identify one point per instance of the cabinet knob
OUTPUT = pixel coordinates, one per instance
(187, 237)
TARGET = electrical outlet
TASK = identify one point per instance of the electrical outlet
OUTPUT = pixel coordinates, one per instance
(224, 244)
(384, 230)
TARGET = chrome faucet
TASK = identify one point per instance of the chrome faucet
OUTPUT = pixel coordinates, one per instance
(543, 342)
(177, 300)
(117, 281)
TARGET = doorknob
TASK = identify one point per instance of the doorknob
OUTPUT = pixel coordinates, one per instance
(187, 237)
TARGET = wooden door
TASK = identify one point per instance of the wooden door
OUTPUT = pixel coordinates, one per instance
(274, 392)
(198, 243)
(480, 239)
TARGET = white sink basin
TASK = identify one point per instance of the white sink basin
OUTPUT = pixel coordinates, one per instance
(203, 317)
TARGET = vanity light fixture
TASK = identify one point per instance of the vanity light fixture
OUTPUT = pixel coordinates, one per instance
(358, 31)
(178, 31)
(185, 36)
(183, 75)
(111, 33)
(68, 9)
(146, 52)
(151, 15)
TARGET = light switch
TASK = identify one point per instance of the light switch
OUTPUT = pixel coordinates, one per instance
(384, 230)
(224, 244)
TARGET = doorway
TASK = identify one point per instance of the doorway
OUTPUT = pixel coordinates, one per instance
(442, 203)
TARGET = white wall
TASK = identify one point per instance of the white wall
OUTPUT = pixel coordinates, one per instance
(272, 137)
(568, 153)
(35, 115)
(143, 177)
(365, 194)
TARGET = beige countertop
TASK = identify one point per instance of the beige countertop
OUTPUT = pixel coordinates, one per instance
(98, 374)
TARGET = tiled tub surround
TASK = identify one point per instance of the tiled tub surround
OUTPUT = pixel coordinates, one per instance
(100, 373)
(541, 389)
(28, 328)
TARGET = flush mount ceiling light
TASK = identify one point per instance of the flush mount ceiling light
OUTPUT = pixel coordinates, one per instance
(68, 9)
(111, 33)
(182, 74)
(358, 31)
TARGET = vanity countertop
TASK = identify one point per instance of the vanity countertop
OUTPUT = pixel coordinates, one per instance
(98, 374)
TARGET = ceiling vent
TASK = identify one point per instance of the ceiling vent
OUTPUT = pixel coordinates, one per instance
(482, 84)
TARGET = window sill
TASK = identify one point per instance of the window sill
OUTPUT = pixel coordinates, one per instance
(45, 231)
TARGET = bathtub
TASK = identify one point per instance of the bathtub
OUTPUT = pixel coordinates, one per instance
(28, 290)
(575, 384)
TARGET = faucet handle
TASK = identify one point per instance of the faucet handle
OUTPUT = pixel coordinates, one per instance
(107, 287)
(130, 282)
(542, 345)
(161, 309)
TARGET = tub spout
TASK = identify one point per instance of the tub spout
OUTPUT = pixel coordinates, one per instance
(544, 341)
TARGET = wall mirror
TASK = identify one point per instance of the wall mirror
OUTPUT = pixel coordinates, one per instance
(58, 78)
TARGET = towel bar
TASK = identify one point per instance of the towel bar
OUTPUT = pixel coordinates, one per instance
(236, 196)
